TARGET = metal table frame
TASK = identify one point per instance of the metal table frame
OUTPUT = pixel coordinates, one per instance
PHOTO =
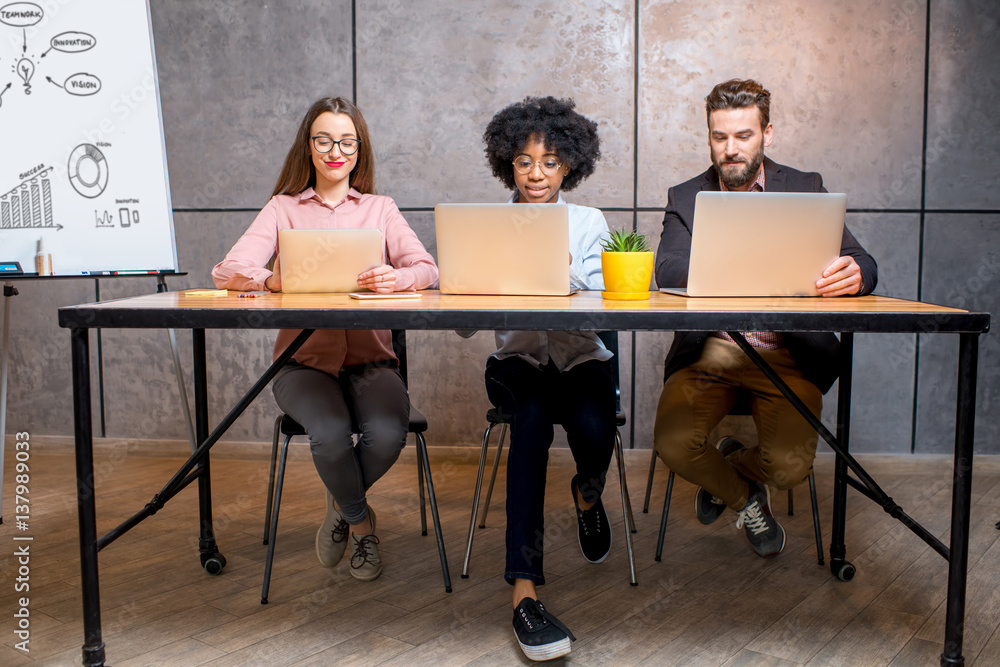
(585, 312)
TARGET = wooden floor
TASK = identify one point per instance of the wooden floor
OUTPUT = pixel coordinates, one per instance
(711, 601)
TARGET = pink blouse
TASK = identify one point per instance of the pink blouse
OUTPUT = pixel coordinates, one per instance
(327, 349)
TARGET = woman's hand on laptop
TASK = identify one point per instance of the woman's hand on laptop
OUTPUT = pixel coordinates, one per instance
(381, 279)
(273, 283)
(842, 278)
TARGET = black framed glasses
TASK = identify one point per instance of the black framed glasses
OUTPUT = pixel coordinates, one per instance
(549, 166)
(324, 144)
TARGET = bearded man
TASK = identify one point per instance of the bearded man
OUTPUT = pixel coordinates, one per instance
(707, 374)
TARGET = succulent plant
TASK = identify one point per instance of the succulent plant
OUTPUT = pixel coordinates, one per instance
(625, 241)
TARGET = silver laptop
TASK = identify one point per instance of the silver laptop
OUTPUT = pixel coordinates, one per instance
(762, 243)
(513, 249)
(326, 260)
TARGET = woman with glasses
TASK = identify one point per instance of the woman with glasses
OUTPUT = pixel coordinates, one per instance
(538, 148)
(338, 377)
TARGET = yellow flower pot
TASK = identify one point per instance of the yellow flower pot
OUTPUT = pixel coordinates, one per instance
(627, 275)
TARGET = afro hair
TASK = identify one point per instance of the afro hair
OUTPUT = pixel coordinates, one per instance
(572, 137)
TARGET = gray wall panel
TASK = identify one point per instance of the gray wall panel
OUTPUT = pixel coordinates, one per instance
(236, 77)
(961, 269)
(432, 74)
(963, 95)
(845, 79)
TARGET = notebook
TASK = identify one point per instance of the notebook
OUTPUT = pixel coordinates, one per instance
(326, 260)
(512, 249)
(762, 243)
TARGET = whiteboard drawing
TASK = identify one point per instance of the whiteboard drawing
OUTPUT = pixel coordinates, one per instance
(82, 157)
(29, 205)
(88, 170)
(26, 14)
(104, 220)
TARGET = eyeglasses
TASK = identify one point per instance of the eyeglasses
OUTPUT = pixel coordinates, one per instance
(524, 165)
(325, 145)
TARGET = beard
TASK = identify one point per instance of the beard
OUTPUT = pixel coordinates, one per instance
(736, 177)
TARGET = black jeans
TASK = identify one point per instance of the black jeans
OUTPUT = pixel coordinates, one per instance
(582, 399)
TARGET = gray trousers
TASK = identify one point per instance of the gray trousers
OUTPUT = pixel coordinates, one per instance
(373, 399)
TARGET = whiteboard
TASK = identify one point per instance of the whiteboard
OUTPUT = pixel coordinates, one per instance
(83, 167)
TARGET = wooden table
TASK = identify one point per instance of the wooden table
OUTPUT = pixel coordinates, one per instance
(584, 311)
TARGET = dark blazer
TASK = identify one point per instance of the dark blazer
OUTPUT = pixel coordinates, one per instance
(815, 353)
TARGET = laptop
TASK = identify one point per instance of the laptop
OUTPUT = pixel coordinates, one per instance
(510, 249)
(326, 260)
(762, 243)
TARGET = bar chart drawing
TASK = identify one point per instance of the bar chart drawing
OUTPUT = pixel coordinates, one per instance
(29, 205)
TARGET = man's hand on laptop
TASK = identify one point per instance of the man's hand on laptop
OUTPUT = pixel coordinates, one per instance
(381, 279)
(841, 278)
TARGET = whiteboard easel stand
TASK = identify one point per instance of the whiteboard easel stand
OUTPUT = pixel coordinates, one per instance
(9, 292)
(161, 286)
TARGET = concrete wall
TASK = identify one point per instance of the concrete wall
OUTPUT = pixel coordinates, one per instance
(895, 112)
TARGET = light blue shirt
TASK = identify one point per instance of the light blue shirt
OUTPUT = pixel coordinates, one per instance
(587, 229)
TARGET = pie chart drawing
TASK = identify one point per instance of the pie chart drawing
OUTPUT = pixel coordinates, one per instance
(88, 170)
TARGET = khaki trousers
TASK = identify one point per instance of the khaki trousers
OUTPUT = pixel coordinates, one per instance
(696, 398)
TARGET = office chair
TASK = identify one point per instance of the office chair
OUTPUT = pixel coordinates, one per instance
(285, 425)
(495, 417)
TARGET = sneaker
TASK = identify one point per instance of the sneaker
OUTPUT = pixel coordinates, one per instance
(707, 507)
(593, 529)
(541, 635)
(366, 564)
(766, 535)
(331, 538)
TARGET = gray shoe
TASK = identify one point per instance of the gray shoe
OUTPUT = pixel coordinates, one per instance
(366, 564)
(707, 507)
(766, 535)
(331, 538)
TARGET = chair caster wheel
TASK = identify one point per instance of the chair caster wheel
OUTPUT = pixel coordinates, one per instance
(846, 572)
(213, 563)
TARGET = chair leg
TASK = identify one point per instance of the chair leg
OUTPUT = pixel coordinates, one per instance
(663, 518)
(791, 503)
(420, 488)
(815, 509)
(493, 477)
(626, 509)
(649, 482)
(273, 527)
(425, 466)
(475, 502)
(628, 496)
(270, 477)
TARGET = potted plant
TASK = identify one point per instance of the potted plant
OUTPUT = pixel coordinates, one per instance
(627, 264)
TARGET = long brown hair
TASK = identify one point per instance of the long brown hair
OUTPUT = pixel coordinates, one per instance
(299, 173)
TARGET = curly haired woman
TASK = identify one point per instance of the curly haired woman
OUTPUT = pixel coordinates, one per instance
(538, 148)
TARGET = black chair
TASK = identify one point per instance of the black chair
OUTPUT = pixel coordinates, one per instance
(742, 407)
(285, 425)
(495, 417)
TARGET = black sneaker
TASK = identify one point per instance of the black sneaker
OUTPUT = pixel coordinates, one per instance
(593, 529)
(766, 535)
(707, 507)
(541, 635)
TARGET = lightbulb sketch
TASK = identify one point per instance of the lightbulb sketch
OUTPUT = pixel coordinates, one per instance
(25, 70)
(88, 170)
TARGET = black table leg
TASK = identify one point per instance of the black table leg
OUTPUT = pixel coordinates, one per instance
(93, 647)
(961, 499)
(211, 559)
(840, 567)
